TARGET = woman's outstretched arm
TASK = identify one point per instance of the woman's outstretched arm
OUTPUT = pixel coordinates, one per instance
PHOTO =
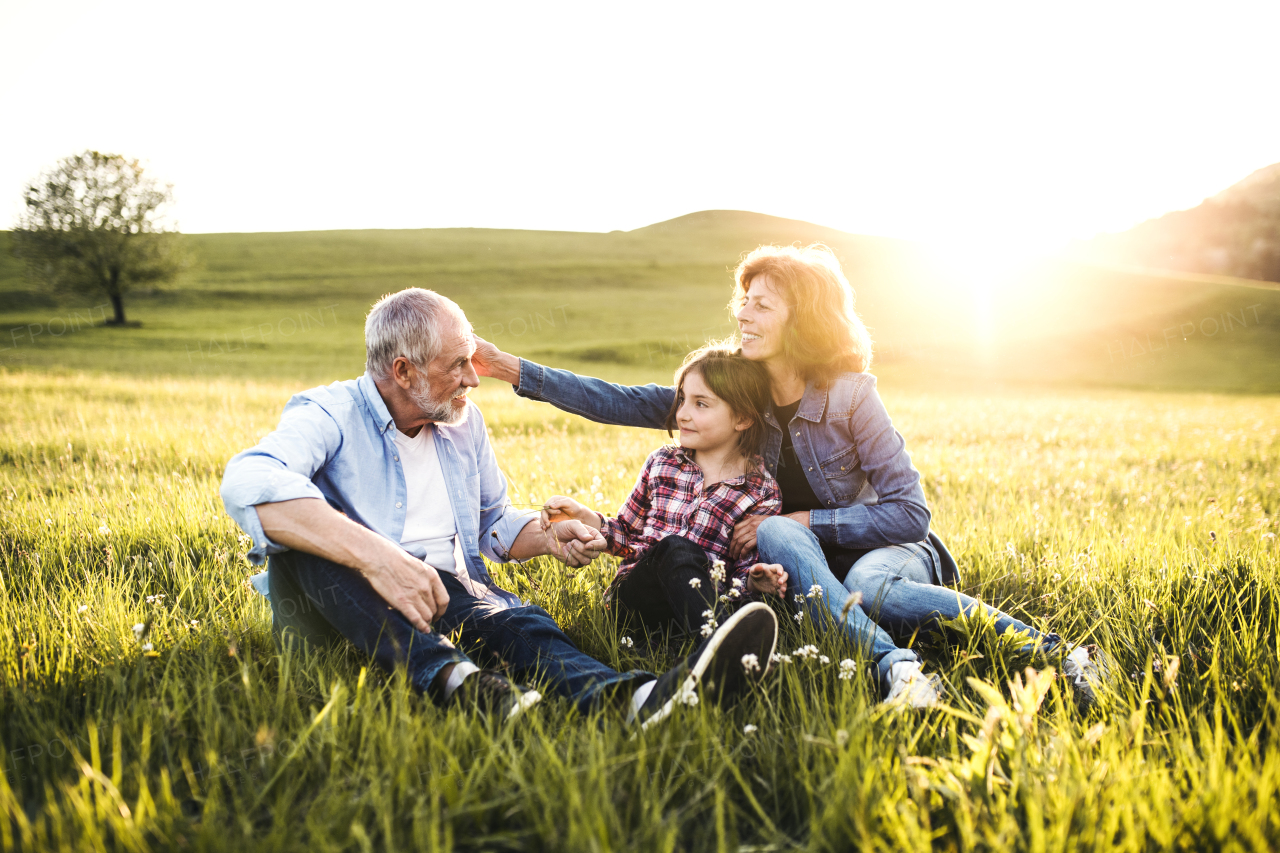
(594, 399)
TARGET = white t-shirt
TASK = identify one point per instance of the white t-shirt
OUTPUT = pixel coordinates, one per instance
(429, 532)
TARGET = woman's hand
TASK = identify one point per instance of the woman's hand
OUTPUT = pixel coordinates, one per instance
(767, 578)
(488, 360)
(560, 508)
(744, 532)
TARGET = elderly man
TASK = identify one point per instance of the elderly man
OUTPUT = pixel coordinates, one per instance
(376, 497)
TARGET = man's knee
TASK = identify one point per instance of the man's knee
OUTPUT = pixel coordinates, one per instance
(680, 547)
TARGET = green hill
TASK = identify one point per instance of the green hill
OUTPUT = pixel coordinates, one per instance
(630, 304)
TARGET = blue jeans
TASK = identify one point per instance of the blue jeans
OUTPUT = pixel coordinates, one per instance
(896, 583)
(319, 601)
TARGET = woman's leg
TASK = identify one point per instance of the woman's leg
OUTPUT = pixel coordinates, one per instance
(793, 546)
(658, 592)
(898, 593)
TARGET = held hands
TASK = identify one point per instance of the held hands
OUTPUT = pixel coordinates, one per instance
(576, 544)
(768, 579)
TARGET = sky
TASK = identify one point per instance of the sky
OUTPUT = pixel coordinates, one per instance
(1006, 126)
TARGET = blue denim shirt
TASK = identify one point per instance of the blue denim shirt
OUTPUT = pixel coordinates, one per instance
(337, 443)
(855, 461)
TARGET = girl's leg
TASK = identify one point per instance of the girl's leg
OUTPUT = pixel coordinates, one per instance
(658, 591)
(795, 547)
(898, 593)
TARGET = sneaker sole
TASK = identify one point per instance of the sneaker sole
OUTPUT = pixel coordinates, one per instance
(743, 615)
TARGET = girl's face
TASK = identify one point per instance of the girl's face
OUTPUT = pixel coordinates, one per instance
(705, 421)
(761, 320)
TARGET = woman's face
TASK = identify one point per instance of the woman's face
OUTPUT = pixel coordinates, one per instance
(762, 319)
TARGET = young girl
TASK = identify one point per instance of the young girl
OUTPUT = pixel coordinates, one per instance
(674, 530)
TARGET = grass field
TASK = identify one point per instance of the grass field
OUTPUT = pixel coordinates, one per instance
(1142, 522)
(1076, 490)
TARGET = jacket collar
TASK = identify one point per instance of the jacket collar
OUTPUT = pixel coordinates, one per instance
(813, 403)
(373, 402)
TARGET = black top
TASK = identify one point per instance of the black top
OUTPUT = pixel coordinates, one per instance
(797, 494)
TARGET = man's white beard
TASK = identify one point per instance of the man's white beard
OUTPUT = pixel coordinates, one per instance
(438, 411)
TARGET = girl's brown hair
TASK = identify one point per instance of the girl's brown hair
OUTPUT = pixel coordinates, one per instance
(743, 385)
(824, 335)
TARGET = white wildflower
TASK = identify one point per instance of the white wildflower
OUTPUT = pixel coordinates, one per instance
(799, 599)
(194, 623)
(808, 652)
(733, 593)
(717, 570)
(104, 530)
(724, 598)
(627, 642)
(737, 583)
(708, 614)
(799, 617)
(146, 647)
(824, 660)
(815, 591)
(599, 497)
(49, 522)
(708, 629)
(687, 695)
(696, 583)
(750, 663)
(750, 729)
(777, 658)
(138, 629)
(842, 738)
(82, 608)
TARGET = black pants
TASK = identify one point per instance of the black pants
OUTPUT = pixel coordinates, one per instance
(656, 594)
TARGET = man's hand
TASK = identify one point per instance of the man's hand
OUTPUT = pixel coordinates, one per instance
(561, 508)
(490, 361)
(410, 586)
(767, 578)
(577, 544)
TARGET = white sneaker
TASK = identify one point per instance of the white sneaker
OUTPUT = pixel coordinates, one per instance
(911, 688)
(1085, 669)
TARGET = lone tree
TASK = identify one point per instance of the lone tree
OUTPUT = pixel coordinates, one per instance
(95, 222)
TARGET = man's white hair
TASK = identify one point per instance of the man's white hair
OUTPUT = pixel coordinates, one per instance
(411, 323)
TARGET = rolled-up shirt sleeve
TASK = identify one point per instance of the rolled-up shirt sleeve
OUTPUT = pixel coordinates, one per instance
(279, 468)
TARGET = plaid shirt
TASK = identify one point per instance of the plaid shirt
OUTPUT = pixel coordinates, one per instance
(668, 500)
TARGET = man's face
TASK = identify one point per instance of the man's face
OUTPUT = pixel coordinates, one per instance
(443, 395)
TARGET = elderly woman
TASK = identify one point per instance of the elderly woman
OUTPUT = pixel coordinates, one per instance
(854, 519)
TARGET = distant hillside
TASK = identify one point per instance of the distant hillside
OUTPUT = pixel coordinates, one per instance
(629, 305)
(1236, 232)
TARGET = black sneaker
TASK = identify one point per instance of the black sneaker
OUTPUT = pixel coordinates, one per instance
(492, 695)
(726, 663)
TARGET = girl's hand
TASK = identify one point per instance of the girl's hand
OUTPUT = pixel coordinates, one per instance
(561, 508)
(767, 578)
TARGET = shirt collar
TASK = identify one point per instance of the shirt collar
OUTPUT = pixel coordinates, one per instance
(687, 462)
(372, 399)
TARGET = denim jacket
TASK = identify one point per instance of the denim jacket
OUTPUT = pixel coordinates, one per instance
(337, 443)
(855, 461)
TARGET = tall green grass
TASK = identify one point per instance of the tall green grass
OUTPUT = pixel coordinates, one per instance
(1144, 523)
